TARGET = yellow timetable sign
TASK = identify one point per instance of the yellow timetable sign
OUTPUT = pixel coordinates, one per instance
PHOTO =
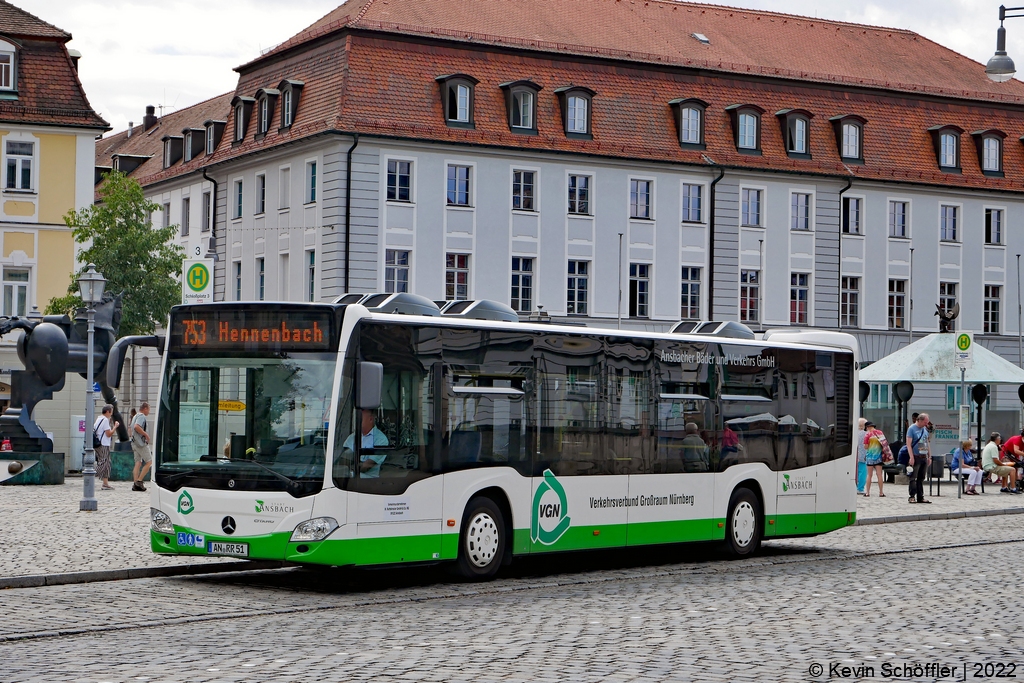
(231, 406)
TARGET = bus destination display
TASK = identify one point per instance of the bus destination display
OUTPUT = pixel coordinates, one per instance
(252, 330)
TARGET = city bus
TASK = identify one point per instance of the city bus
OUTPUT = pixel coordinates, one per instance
(336, 434)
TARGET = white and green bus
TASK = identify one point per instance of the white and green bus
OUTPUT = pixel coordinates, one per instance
(332, 434)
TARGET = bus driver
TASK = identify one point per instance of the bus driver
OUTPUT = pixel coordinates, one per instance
(369, 464)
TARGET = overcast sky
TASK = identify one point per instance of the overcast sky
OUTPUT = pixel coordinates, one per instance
(176, 53)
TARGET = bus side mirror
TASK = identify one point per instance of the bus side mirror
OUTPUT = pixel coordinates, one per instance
(369, 382)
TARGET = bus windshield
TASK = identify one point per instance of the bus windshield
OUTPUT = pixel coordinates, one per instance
(245, 422)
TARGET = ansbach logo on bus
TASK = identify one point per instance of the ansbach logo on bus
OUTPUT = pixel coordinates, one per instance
(789, 484)
(262, 507)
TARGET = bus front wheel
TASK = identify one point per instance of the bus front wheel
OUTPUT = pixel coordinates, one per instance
(743, 525)
(482, 540)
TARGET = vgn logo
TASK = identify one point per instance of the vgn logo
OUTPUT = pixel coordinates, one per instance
(796, 484)
(185, 504)
(550, 511)
(198, 277)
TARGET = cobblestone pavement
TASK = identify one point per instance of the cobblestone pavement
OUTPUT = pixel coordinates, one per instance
(849, 598)
(44, 533)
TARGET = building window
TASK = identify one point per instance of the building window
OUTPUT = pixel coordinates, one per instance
(188, 146)
(310, 182)
(522, 190)
(797, 134)
(186, 206)
(851, 141)
(167, 215)
(639, 290)
(458, 102)
(576, 118)
(800, 211)
(881, 396)
(238, 199)
(261, 193)
(15, 292)
(690, 294)
(897, 304)
(690, 125)
(799, 295)
(522, 109)
(750, 296)
(992, 154)
(579, 194)
(456, 277)
(949, 219)
(852, 215)
(577, 298)
(993, 226)
(311, 275)
(947, 297)
(751, 207)
(284, 188)
(746, 137)
(19, 165)
(211, 141)
(849, 302)
(207, 212)
(238, 280)
(898, 215)
(522, 284)
(457, 99)
(264, 115)
(286, 110)
(691, 203)
(7, 71)
(639, 198)
(458, 185)
(261, 279)
(399, 180)
(239, 122)
(948, 150)
(990, 320)
(396, 270)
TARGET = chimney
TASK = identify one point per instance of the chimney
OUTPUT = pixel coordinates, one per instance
(75, 56)
(149, 120)
(131, 125)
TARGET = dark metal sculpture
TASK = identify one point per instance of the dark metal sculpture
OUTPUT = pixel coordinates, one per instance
(52, 346)
(946, 318)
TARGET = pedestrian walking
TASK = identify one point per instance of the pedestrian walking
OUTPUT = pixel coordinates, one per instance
(104, 429)
(141, 447)
(862, 466)
(920, 458)
(876, 452)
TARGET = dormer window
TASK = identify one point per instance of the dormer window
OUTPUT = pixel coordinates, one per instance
(576, 111)
(264, 120)
(946, 140)
(241, 108)
(266, 98)
(172, 149)
(746, 124)
(521, 102)
(689, 115)
(7, 79)
(796, 131)
(290, 92)
(457, 99)
(214, 131)
(849, 130)
(188, 146)
(989, 144)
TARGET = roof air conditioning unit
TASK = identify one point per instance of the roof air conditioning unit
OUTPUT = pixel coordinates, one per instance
(482, 309)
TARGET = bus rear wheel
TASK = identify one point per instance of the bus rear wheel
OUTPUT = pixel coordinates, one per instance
(482, 540)
(743, 525)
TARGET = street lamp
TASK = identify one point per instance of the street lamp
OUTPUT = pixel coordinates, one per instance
(1000, 68)
(90, 286)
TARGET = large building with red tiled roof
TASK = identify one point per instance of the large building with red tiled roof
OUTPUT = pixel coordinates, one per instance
(721, 163)
(48, 132)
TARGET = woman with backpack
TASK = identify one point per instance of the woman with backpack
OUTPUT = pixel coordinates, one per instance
(102, 431)
(877, 451)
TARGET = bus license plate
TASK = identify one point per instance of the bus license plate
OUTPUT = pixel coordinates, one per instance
(234, 549)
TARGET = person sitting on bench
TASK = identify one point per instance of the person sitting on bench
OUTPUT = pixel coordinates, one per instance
(964, 463)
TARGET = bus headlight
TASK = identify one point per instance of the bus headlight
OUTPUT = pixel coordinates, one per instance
(316, 529)
(159, 521)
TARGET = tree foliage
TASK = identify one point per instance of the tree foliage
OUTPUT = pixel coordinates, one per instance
(136, 259)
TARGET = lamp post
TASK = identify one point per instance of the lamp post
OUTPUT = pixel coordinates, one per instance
(90, 286)
(1000, 68)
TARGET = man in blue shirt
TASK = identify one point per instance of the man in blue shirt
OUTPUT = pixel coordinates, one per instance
(920, 457)
(369, 464)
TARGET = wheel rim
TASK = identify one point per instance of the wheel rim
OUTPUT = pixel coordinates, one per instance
(482, 539)
(744, 524)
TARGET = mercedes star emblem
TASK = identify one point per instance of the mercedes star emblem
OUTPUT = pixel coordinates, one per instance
(228, 525)
(231, 483)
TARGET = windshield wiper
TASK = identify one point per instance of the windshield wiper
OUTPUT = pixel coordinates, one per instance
(175, 477)
(292, 485)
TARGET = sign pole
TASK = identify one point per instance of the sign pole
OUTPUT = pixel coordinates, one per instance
(963, 358)
(965, 427)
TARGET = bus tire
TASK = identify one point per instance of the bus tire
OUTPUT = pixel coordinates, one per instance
(482, 540)
(743, 524)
